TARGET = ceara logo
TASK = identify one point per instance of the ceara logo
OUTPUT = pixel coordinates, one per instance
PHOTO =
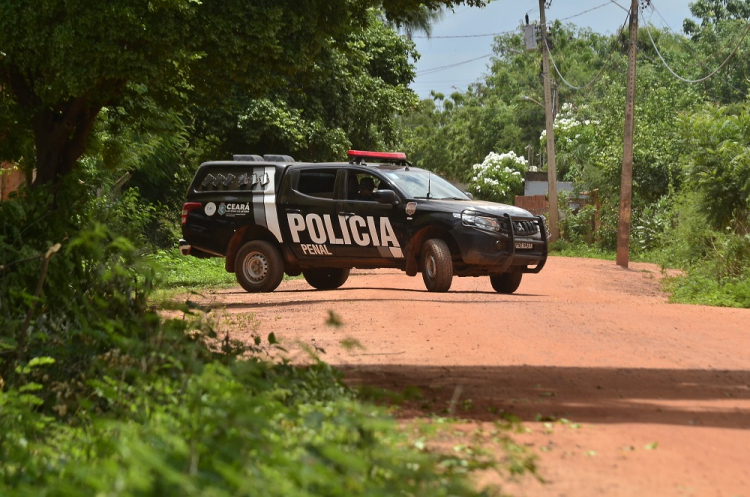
(231, 210)
(362, 231)
(238, 208)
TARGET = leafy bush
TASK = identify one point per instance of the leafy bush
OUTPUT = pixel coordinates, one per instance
(244, 428)
(100, 395)
(719, 166)
(73, 290)
(716, 263)
(701, 286)
(499, 177)
(649, 224)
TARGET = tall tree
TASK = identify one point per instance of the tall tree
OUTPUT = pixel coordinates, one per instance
(62, 61)
(349, 97)
(713, 12)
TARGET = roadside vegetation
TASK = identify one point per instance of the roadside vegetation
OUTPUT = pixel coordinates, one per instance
(107, 112)
(691, 186)
(101, 393)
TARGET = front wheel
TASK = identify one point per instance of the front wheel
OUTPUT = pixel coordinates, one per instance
(437, 265)
(259, 266)
(507, 282)
(326, 278)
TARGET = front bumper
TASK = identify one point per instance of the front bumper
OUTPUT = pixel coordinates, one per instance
(498, 251)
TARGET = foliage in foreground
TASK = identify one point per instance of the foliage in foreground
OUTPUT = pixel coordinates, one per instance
(101, 395)
(243, 428)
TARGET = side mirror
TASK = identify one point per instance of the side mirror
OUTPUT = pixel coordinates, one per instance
(471, 196)
(386, 197)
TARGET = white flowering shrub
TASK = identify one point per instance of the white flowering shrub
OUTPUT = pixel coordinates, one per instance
(574, 141)
(499, 177)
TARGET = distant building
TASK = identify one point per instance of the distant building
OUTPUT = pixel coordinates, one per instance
(535, 191)
(536, 184)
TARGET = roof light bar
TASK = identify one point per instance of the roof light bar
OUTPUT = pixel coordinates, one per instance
(398, 156)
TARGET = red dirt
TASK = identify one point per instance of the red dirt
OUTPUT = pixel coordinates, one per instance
(661, 391)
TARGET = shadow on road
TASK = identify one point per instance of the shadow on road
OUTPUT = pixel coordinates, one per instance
(586, 395)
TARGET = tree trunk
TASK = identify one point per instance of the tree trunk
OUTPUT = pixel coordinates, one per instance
(60, 131)
(60, 137)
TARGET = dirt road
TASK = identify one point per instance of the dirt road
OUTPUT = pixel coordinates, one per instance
(656, 395)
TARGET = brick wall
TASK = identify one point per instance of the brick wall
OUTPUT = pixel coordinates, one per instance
(536, 204)
(11, 179)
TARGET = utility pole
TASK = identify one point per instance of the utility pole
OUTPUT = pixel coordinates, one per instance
(626, 180)
(551, 168)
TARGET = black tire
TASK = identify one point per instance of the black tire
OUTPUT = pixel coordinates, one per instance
(507, 282)
(259, 266)
(326, 278)
(437, 265)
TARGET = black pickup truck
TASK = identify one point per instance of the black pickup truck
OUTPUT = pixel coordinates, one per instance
(271, 215)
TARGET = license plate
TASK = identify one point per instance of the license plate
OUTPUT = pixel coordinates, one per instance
(524, 245)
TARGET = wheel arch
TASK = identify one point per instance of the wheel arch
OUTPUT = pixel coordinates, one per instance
(246, 234)
(414, 252)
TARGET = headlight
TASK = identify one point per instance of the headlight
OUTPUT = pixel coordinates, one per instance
(480, 222)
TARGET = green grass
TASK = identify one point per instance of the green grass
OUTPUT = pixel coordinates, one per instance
(178, 273)
(566, 249)
(698, 286)
(184, 273)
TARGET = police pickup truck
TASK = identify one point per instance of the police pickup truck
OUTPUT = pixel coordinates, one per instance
(271, 215)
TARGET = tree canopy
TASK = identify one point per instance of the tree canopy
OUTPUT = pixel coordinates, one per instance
(63, 61)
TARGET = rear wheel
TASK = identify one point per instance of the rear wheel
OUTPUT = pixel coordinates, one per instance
(326, 278)
(437, 265)
(259, 266)
(507, 282)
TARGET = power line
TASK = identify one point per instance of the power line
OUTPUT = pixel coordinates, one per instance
(444, 81)
(468, 36)
(587, 11)
(747, 28)
(693, 53)
(623, 8)
(448, 37)
(449, 66)
(601, 71)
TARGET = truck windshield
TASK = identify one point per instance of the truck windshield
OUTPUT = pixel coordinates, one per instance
(425, 184)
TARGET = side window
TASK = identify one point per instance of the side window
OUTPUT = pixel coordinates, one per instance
(317, 182)
(383, 185)
(360, 186)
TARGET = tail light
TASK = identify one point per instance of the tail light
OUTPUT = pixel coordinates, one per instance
(187, 207)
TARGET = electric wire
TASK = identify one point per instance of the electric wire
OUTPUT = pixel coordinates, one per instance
(446, 37)
(586, 11)
(734, 51)
(449, 66)
(701, 62)
(468, 36)
(623, 8)
(601, 71)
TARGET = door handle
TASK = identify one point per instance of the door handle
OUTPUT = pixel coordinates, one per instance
(293, 211)
(347, 215)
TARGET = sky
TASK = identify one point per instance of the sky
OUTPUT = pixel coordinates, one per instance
(603, 16)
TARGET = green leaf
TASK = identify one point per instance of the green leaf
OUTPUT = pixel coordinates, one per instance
(41, 361)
